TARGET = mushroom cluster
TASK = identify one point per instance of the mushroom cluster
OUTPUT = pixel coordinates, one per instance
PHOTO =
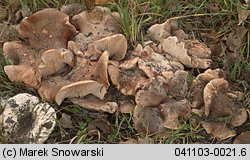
(86, 61)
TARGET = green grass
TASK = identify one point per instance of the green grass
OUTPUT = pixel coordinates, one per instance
(136, 17)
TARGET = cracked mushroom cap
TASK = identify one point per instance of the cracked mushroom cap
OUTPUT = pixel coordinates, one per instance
(155, 119)
(218, 130)
(48, 28)
(191, 53)
(80, 89)
(27, 120)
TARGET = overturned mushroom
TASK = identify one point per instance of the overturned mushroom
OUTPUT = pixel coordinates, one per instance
(26, 120)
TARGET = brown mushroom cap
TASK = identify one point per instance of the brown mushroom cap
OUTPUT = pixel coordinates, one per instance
(153, 92)
(239, 117)
(218, 130)
(243, 138)
(158, 89)
(48, 28)
(80, 89)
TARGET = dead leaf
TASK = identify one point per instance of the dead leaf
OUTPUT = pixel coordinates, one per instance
(217, 49)
(247, 2)
(23, 12)
(104, 2)
(236, 38)
(90, 4)
(212, 8)
(66, 121)
(72, 9)
(101, 125)
(129, 141)
(3, 14)
(246, 75)
(243, 138)
(242, 15)
(14, 6)
(145, 140)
